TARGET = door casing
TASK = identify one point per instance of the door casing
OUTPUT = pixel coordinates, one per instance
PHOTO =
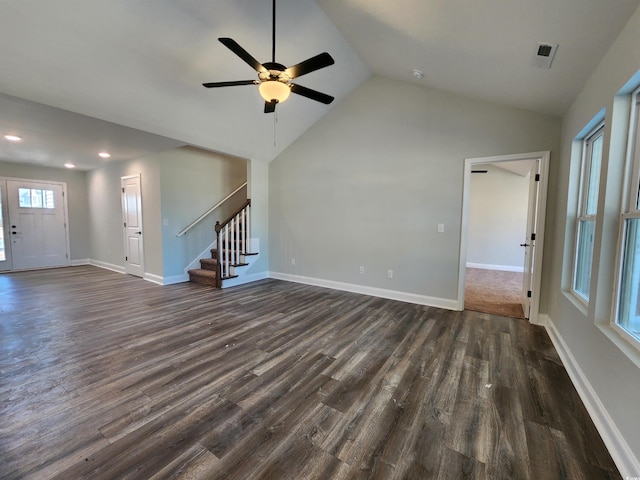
(9, 264)
(542, 161)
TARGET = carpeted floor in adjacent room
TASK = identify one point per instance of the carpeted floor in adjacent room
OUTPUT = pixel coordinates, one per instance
(494, 291)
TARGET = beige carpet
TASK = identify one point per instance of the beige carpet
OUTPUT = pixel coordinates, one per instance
(493, 291)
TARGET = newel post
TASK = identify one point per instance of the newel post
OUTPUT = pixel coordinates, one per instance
(218, 227)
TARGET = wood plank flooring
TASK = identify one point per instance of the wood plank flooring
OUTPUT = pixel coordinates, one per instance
(106, 376)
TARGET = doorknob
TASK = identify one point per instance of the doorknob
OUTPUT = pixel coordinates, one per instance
(524, 244)
(139, 233)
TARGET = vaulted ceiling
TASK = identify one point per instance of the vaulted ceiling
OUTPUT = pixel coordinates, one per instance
(139, 64)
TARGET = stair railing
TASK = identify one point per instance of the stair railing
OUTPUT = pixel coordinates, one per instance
(233, 238)
(204, 215)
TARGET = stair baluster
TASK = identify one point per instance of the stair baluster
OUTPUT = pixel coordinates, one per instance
(232, 240)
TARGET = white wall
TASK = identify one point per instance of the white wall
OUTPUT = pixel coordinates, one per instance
(596, 355)
(368, 184)
(80, 243)
(497, 219)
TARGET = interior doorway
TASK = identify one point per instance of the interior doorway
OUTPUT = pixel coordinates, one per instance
(516, 255)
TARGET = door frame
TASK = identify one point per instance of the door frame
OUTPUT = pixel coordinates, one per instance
(542, 158)
(7, 264)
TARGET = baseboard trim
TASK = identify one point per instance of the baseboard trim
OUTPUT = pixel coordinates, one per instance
(107, 266)
(79, 262)
(618, 447)
(175, 279)
(157, 279)
(243, 279)
(502, 268)
(445, 303)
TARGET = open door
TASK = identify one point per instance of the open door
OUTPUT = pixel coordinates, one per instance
(535, 227)
(529, 243)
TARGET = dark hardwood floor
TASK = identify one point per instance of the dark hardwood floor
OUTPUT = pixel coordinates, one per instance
(106, 376)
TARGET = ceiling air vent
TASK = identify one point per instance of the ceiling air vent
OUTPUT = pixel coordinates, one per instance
(544, 54)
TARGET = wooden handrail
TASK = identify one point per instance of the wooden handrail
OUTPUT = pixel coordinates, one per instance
(219, 226)
(201, 217)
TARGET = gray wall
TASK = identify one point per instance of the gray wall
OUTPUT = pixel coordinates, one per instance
(194, 180)
(105, 206)
(178, 186)
(598, 352)
(497, 218)
(80, 243)
(368, 184)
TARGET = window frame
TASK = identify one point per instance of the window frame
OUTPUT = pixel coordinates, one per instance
(630, 209)
(582, 216)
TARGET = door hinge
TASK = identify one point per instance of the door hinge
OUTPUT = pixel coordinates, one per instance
(537, 177)
(122, 189)
(125, 224)
(126, 259)
(533, 236)
(529, 293)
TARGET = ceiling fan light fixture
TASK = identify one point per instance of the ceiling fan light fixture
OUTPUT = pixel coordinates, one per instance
(272, 90)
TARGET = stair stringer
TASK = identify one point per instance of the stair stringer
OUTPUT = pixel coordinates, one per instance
(195, 264)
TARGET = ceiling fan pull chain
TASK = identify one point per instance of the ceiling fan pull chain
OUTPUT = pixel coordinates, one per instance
(275, 120)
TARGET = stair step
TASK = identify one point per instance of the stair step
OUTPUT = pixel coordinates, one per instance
(209, 264)
(202, 276)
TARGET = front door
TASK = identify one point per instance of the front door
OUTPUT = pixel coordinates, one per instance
(37, 226)
(132, 220)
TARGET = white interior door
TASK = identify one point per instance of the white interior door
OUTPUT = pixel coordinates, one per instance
(132, 221)
(37, 224)
(529, 243)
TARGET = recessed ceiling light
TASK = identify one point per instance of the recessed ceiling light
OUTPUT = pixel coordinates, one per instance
(104, 155)
(13, 138)
(69, 165)
(418, 73)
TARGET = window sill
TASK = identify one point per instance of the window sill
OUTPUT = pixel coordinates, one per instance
(578, 302)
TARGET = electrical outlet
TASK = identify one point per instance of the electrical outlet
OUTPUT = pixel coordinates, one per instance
(441, 228)
(293, 261)
(361, 270)
(389, 274)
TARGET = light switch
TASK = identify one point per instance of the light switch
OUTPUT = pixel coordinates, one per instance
(441, 228)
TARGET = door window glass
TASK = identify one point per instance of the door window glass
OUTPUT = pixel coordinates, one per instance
(35, 198)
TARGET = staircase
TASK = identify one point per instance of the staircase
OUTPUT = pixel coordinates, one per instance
(232, 250)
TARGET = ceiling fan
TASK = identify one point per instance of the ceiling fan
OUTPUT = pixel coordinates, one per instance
(274, 78)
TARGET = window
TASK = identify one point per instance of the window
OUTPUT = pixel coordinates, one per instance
(627, 315)
(35, 198)
(587, 207)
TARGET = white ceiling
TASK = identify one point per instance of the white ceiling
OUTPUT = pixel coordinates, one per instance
(140, 64)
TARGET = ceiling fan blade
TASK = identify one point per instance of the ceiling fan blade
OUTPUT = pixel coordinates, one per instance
(312, 94)
(242, 53)
(230, 84)
(270, 107)
(310, 65)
